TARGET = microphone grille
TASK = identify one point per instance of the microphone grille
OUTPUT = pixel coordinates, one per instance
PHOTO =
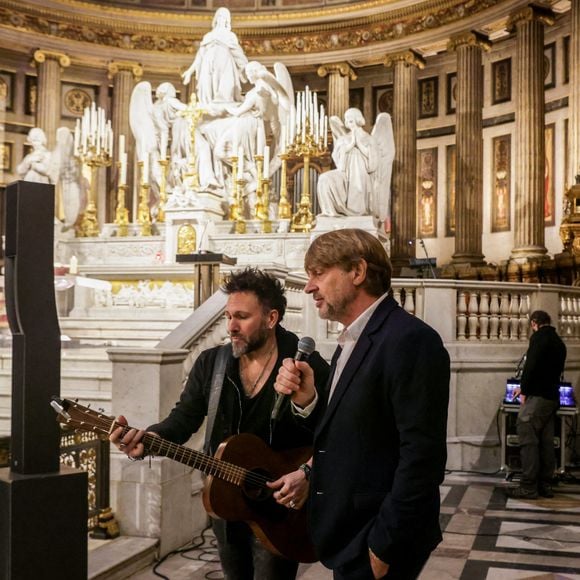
(306, 345)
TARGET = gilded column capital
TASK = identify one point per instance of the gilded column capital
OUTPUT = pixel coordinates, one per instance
(471, 38)
(341, 68)
(41, 56)
(115, 66)
(407, 57)
(530, 13)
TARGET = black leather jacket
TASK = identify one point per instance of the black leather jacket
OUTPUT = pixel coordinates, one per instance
(190, 411)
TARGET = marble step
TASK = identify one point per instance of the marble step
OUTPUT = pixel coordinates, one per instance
(120, 558)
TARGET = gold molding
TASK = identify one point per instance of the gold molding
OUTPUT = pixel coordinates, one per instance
(471, 38)
(115, 66)
(342, 68)
(41, 56)
(339, 29)
(531, 12)
(407, 57)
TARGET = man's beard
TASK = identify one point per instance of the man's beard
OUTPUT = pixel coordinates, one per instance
(252, 343)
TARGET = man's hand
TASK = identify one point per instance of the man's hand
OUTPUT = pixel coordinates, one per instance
(296, 378)
(378, 567)
(130, 443)
(291, 489)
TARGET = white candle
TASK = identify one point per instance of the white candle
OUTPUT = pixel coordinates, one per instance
(240, 162)
(163, 145)
(261, 139)
(325, 132)
(73, 266)
(123, 176)
(77, 137)
(145, 175)
(266, 171)
(121, 146)
(283, 138)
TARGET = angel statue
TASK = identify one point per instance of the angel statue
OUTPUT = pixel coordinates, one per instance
(58, 167)
(361, 182)
(158, 129)
(263, 112)
(219, 63)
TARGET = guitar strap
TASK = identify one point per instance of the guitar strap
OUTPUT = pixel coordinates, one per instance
(217, 382)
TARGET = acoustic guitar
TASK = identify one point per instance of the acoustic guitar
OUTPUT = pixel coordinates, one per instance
(235, 489)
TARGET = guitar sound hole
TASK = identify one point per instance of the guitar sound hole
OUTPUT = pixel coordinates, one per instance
(256, 492)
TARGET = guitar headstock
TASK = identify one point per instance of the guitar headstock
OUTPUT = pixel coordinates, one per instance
(81, 418)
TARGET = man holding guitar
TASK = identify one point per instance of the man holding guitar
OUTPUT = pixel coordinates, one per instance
(380, 448)
(233, 386)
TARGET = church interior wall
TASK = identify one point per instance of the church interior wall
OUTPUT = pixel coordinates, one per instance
(436, 131)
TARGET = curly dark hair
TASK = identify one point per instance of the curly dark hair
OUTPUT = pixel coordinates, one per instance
(267, 288)
(540, 317)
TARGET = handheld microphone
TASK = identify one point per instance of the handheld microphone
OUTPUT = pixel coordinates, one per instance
(306, 346)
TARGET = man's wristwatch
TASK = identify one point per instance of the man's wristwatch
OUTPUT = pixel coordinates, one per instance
(307, 470)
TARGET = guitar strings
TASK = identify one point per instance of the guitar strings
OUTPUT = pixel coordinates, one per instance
(217, 467)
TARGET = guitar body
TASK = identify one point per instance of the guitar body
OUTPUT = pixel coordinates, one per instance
(235, 488)
(282, 530)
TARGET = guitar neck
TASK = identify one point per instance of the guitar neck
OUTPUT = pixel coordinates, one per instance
(196, 459)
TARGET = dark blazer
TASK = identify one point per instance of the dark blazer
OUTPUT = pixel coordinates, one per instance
(380, 448)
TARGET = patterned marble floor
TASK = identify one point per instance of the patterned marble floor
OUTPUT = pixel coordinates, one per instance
(486, 537)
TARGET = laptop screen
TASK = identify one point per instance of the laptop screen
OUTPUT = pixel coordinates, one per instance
(567, 398)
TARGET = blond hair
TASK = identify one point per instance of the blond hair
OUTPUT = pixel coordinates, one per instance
(346, 248)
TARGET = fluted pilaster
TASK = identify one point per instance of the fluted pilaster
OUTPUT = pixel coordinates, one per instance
(124, 76)
(469, 148)
(404, 184)
(339, 77)
(530, 145)
(49, 65)
(574, 98)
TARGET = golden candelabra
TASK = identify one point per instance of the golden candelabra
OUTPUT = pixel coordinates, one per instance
(234, 208)
(265, 189)
(284, 209)
(122, 213)
(259, 209)
(89, 224)
(307, 147)
(193, 113)
(143, 214)
(164, 164)
(240, 225)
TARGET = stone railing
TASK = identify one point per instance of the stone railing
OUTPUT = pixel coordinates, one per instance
(482, 311)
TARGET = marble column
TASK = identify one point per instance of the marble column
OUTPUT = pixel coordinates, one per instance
(574, 96)
(469, 148)
(49, 65)
(124, 76)
(404, 183)
(528, 24)
(339, 77)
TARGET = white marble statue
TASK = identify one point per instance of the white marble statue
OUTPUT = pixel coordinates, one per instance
(262, 114)
(159, 131)
(361, 183)
(225, 130)
(219, 63)
(38, 165)
(58, 167)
